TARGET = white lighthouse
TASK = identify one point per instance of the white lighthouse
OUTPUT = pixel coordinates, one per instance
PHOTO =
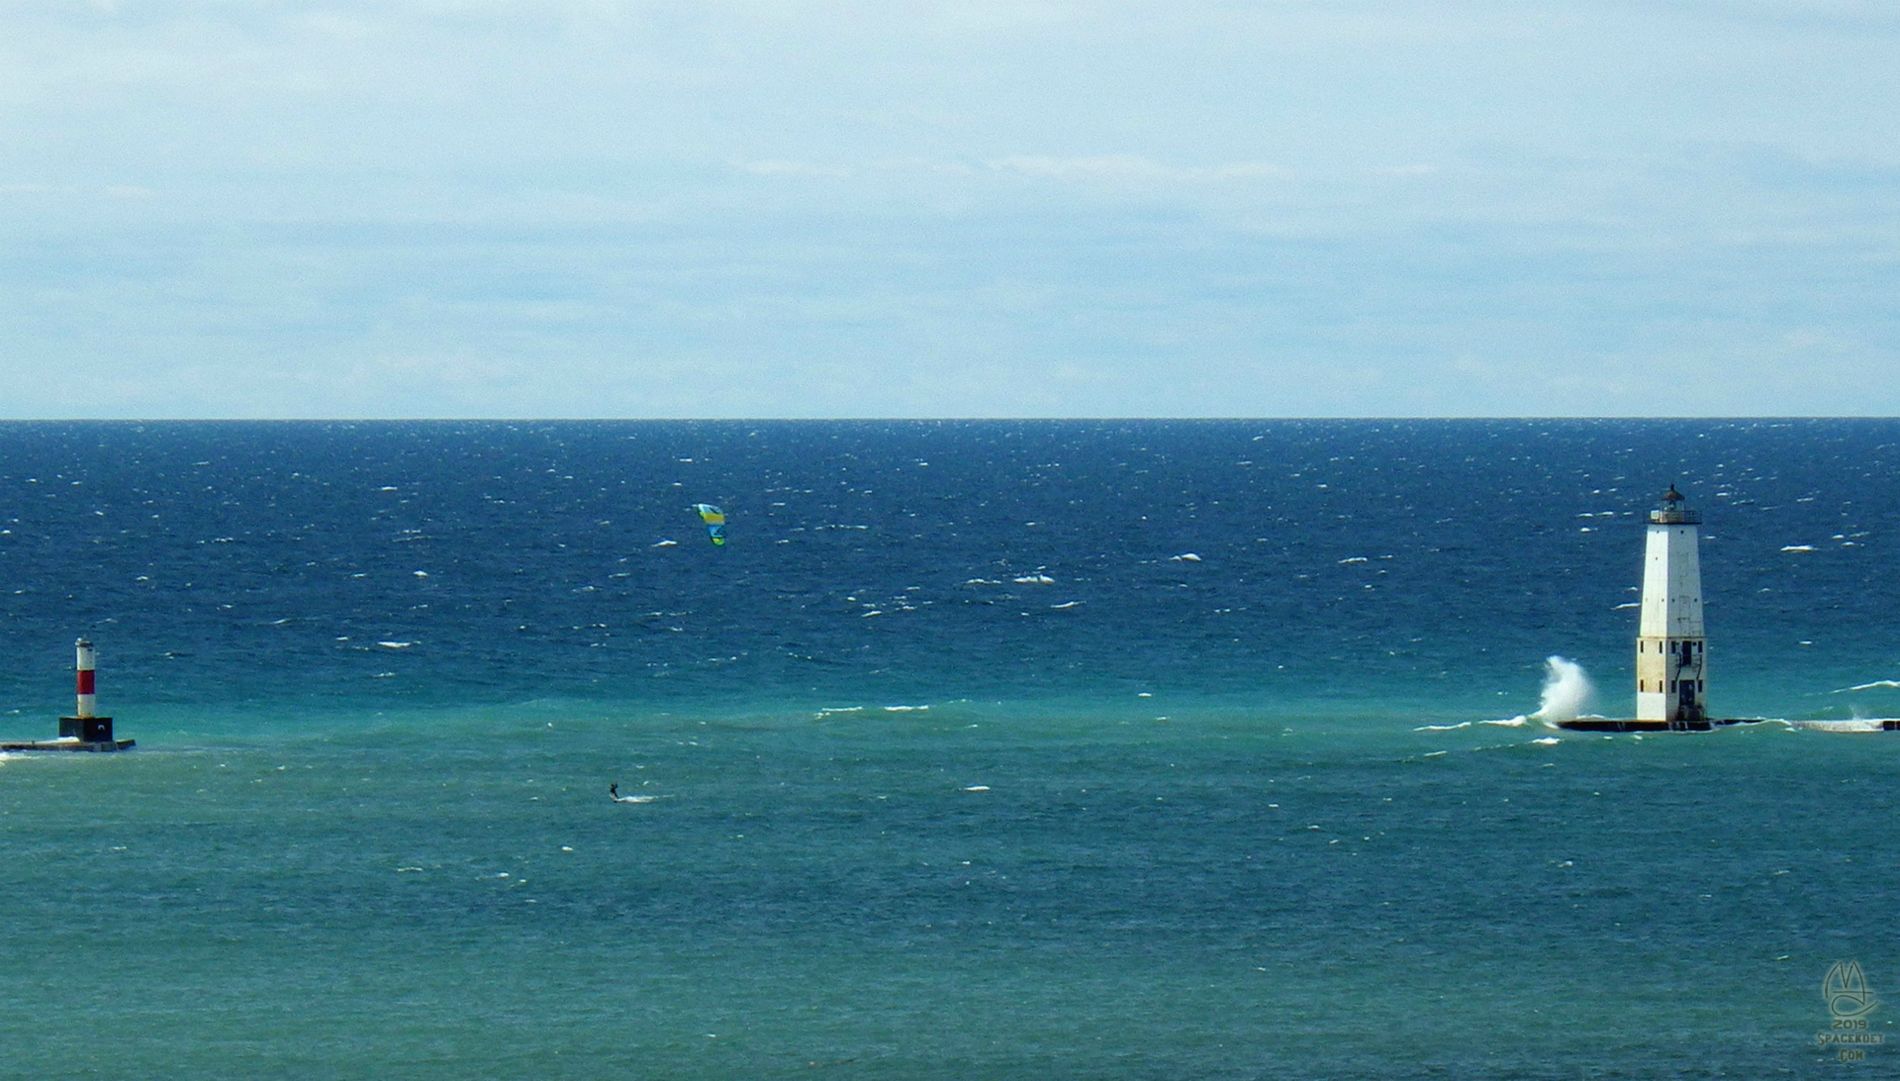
(1671, 658)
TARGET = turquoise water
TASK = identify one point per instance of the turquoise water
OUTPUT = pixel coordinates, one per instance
(953, 839)
(1200, 897)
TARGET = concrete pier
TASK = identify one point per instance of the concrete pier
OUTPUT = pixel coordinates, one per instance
(1700, 724)
(68, 745)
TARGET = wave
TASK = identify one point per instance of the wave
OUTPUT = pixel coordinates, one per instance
(1859, 724)
(1876, 685)
(1567, 691)
(1442, 727)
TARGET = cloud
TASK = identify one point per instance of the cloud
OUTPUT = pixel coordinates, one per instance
(1132, 169)
(783, 167)
(1143, 207)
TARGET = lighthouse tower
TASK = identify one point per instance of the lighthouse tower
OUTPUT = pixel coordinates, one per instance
(85, 725)
(1670, 654)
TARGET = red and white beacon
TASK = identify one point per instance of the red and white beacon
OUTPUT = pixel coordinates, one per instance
(85, 724)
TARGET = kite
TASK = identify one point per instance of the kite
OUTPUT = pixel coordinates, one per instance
(715, 520)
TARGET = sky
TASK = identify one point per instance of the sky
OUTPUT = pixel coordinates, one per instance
(980, 208)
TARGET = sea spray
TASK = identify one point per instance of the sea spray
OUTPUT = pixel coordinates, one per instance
(1567, 694)
(1567, 691)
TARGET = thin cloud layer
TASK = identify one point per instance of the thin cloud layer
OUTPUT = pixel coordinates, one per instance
(594, 208)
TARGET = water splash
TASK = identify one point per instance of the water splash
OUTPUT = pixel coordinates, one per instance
(1567, 691)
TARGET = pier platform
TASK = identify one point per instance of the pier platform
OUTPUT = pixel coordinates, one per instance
(1606, 724)
(66, 744)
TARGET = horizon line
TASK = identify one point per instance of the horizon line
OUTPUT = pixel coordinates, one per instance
(947, 418)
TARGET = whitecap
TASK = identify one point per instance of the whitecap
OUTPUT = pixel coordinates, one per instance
(1629, 604)
(904, 709)
(1860, 724)
(1065, 604)
(1185, 557)
(1797, 547)
(395, 645)
(1034, 580)
(1509, 722)
(1875, 685)
(1442, 727)
(1547, 741)
(976, 788)
(1354, 559)
(669, 543)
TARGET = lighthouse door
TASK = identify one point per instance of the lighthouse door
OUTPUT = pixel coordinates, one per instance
(1688, 708)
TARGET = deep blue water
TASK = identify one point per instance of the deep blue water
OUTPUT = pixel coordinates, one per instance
(228, 566)
(1223, 825)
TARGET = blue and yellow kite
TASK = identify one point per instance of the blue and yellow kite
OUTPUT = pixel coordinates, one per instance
(715, 520)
